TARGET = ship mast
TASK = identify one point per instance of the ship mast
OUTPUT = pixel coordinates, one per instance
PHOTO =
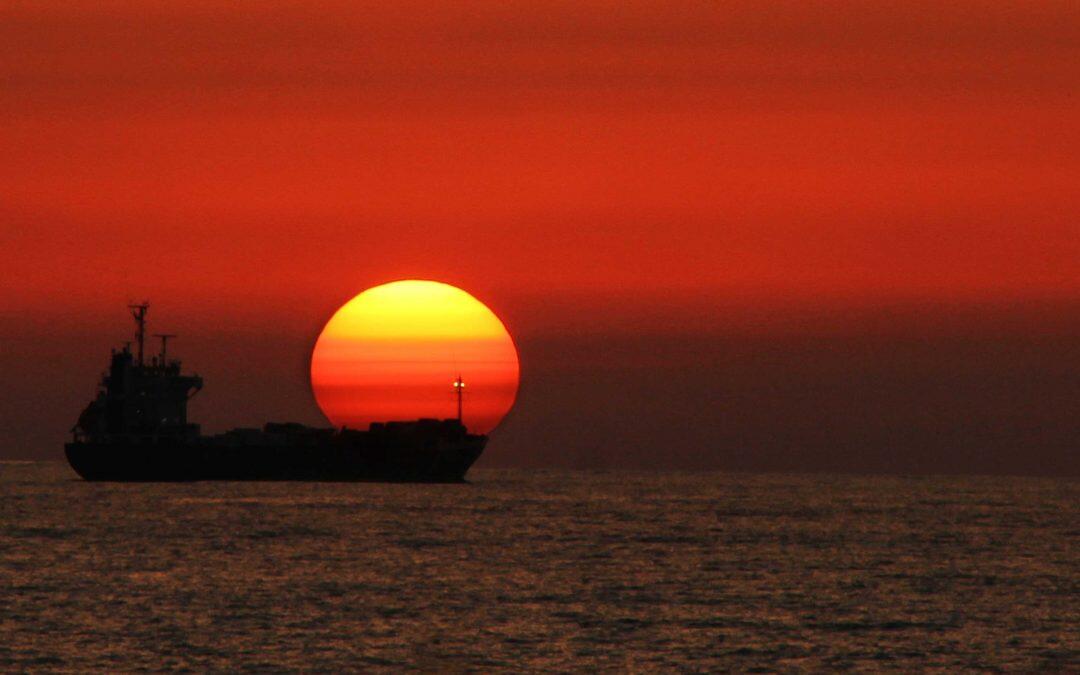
(459, 389)
(139, 312)
(164, 344)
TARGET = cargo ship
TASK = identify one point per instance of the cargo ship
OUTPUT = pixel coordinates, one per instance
(137, 429)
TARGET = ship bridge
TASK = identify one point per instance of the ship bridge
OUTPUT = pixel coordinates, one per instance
(140, 398)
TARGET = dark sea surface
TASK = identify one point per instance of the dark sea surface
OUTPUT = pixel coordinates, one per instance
(541, 570)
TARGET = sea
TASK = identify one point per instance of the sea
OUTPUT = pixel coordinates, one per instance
(541, 571)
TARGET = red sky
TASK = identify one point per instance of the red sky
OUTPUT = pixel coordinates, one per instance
(585, 168)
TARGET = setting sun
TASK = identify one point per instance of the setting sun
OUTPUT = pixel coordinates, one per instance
(395, 351)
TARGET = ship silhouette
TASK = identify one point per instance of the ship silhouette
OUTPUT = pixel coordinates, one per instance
(137, 429)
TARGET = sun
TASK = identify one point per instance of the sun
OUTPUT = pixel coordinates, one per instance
(395, 351)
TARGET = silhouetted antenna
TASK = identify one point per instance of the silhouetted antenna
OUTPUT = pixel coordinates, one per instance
(164, 344)
(139, 312)
(459, 389)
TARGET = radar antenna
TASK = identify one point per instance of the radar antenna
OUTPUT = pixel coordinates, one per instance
(459, 389)
(139, 312)
(164, 344)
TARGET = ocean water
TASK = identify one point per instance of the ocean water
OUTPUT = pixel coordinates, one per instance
(540, 571)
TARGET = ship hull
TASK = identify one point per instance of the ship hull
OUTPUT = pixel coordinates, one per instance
(444, 461)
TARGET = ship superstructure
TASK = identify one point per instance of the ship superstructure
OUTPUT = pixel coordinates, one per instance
(139, 400)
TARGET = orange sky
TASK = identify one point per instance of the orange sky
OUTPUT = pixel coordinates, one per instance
(834, 149)
(585, 167)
